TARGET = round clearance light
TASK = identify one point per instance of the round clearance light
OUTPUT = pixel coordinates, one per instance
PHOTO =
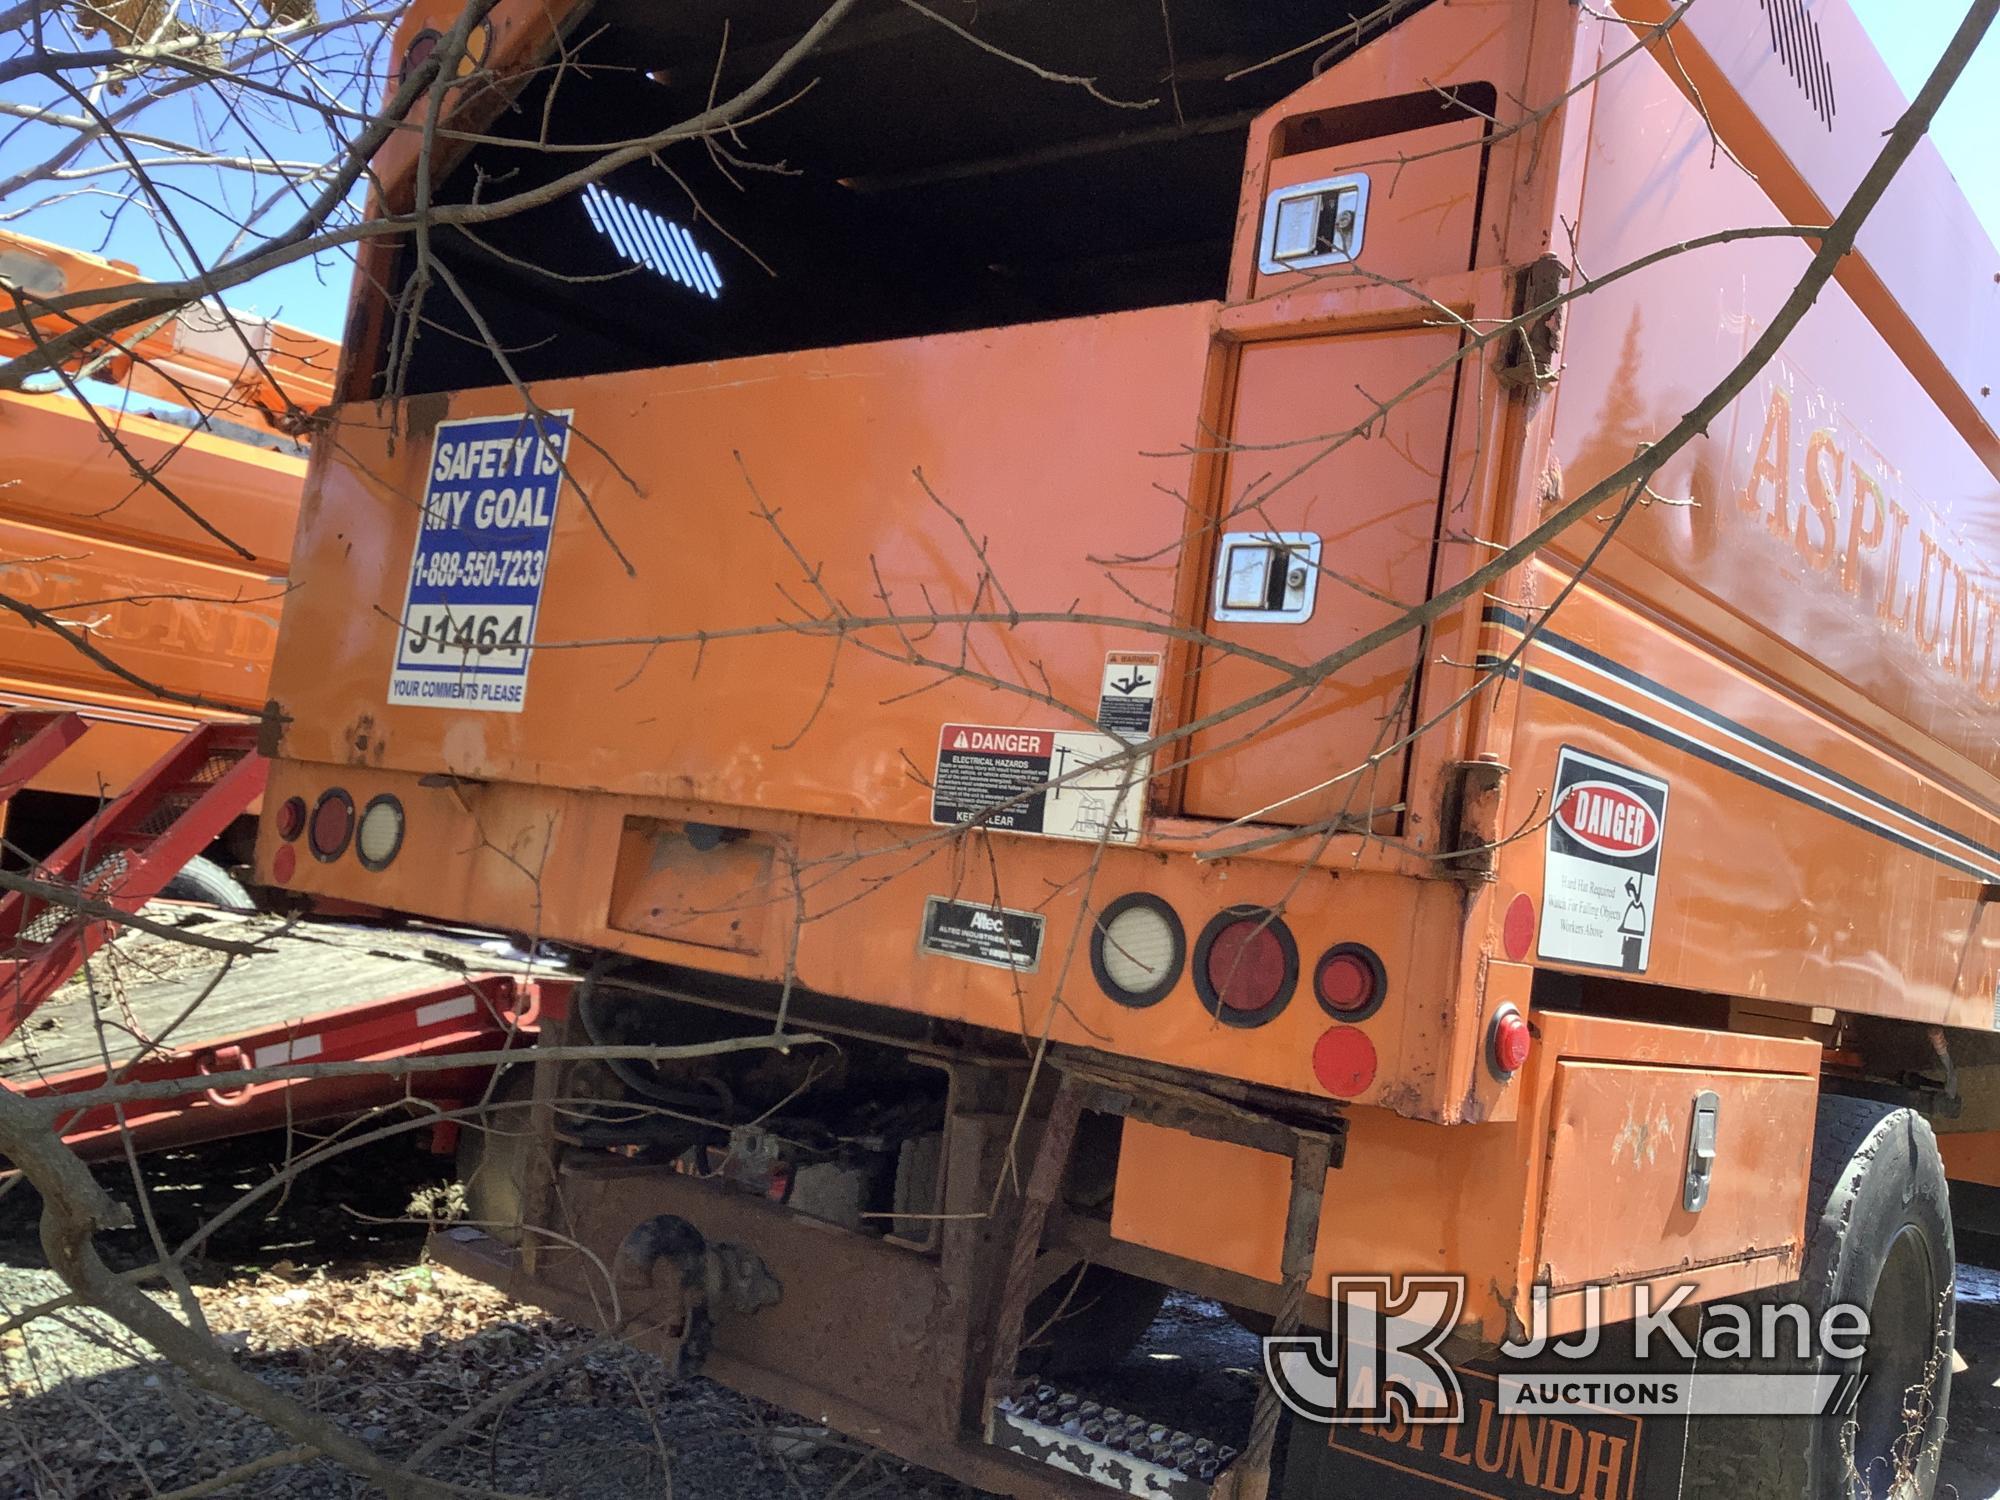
(332, 825)
(1138, 950)
(380, 835)
(422, 45)
(1511, 1041)
(290, 818)
(1245, 965)
(1350, 982)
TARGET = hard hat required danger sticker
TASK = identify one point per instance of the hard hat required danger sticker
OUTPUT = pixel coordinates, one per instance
(1603, 863)
(468, 621)
(1062, 783)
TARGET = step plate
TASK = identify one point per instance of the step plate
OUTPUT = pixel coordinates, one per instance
(1119, 1450)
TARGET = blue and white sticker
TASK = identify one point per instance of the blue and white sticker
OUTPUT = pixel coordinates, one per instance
(468, 623)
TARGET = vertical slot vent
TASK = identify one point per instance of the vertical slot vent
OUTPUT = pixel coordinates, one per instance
(1795, 38)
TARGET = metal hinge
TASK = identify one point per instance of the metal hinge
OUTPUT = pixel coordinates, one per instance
(1471, 818)
(1534, 353)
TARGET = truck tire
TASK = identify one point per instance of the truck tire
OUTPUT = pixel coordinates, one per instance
(204, 880)
(1878, 1235)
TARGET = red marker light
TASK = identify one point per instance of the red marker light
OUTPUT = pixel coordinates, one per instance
(1511, 1040)
(422, 45)
(290, 819)
(1350, 982)
(284, 863)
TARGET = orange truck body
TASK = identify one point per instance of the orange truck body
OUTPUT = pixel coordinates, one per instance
(186, 608)
(781, 585)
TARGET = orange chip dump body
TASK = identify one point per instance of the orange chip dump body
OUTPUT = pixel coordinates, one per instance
(1039, 624)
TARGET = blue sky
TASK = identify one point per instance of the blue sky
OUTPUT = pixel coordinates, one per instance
(1910, 34)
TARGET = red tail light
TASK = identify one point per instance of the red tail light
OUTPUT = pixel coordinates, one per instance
(332, 825)
(1246, 965)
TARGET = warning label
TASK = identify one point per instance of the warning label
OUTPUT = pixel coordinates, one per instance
(1007, 779)
(982, 934)
(1603, 863)
(1126, 697)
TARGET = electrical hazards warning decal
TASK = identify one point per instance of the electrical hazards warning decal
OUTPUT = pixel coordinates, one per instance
(476, 579)
(1603, 863)
(993, 935)
(1066, 784)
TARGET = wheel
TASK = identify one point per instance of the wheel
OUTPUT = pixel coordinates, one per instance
(204, 880)
(1878, 1236)
(494, 1150)
(1091, 1327)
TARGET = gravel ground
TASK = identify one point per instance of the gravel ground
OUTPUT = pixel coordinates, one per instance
(333, 1309)
(323, 1297)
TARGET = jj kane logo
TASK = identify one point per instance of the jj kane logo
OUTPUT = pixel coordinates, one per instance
(1383, 1358)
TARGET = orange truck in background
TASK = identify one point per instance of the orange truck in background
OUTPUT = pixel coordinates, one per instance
(177, 578)
(874, 617)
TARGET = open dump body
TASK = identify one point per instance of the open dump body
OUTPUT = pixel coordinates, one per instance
(1035, 507)
(944, 599)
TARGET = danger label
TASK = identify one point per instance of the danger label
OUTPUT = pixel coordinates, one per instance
(1603, 864)
(1128, 693)
(1061, 783)
(994, 935)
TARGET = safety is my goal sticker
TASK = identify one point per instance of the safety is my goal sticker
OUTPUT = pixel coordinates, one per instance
(1603, 864)
(468, 621)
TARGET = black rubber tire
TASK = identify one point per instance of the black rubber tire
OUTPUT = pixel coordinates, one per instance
(1103, 1318)
(204, 880)
(494, 1150)
(1878, 1234)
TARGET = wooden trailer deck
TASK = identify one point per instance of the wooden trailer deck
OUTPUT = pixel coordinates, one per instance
(150, 1007)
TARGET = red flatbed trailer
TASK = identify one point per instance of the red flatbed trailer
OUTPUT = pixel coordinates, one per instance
(157, 1009)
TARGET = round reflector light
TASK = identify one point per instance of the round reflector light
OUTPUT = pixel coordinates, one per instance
(1139, 949)
(380, 835)
(284, 864)
(1344, 1061)
(291, 818)
(1350, 982)
(332, 825)
(1512, 1040)
(1517, 930)
(1246, 965)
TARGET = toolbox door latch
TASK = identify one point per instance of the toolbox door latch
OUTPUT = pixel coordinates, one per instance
(1701, 1151)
